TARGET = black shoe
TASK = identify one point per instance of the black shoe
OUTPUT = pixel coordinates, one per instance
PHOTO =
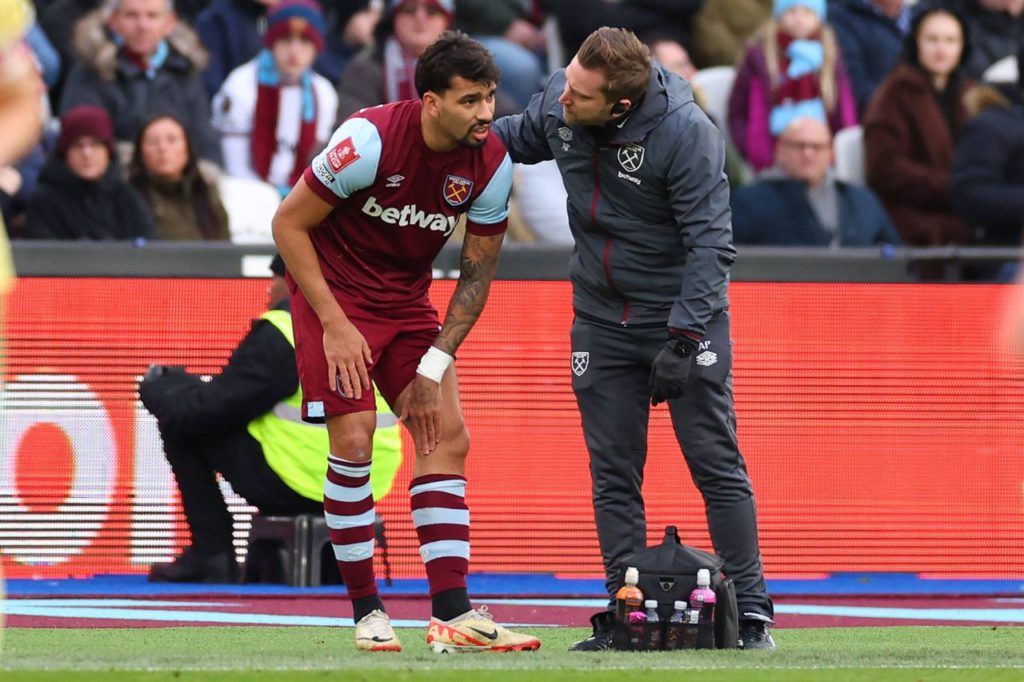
(191, 567)
(601, 640)
(754, 634)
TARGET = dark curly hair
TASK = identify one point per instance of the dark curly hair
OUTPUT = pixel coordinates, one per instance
(454, 54)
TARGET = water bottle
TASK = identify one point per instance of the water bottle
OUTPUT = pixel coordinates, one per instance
(703, 599)
(653, 636)
(674, 627)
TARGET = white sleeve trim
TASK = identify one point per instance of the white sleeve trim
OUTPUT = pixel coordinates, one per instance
(492, 205)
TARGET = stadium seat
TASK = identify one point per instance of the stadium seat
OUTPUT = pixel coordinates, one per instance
(715, 84)
(279, 550)
(296, 550)
(849, 150)
(250, 205)
(1002, 71)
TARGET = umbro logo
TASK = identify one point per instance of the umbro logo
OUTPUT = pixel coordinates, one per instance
(707, 358)
(489, 635)
(395, 180)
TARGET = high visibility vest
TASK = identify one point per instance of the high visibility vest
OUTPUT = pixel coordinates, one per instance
(297, 451)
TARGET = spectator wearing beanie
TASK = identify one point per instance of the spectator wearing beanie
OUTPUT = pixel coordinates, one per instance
(81, 194)
(137, 69)
(273, 112)
(386, 73)
(792, 69)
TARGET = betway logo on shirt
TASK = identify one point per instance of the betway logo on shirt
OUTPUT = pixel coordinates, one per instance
(410, 215)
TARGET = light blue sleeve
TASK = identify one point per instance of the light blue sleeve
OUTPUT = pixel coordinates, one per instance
(492, 205)
(349, 161)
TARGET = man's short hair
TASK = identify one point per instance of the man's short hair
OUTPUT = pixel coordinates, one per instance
(622, 57)
(454, 54)
(112, 6)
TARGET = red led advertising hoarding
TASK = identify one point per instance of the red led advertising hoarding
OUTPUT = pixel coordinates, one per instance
(882, 427)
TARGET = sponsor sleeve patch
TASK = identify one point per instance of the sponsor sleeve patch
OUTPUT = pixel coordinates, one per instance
(343, 154)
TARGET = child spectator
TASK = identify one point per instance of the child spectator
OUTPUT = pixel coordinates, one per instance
(168, 175)
(81, 194)
(274, 113)
(792, 69)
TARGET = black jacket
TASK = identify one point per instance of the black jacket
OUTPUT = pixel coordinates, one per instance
(259, 374)
(101, 76)
(65, 206)
(871, 44)
(988, 174)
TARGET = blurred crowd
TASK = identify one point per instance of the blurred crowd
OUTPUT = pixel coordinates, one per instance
(189, 119)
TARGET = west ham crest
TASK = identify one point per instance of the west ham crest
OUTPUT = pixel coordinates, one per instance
(631, 157)
(457, 190)
(580, 362)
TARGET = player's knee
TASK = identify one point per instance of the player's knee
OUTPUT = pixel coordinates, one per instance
(353, 447)
(457, 440)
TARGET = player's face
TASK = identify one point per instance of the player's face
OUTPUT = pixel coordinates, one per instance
(583, 100)
(466, 111)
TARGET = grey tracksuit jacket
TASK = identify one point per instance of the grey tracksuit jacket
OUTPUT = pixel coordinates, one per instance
(648, 204)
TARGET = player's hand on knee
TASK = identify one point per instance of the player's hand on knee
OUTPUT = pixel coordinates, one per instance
(671, 369)
(348, 359)
(421, 414)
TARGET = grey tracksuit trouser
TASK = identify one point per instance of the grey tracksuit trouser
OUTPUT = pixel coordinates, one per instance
(611, 383)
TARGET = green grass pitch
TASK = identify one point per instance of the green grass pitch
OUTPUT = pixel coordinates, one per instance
(240, 654)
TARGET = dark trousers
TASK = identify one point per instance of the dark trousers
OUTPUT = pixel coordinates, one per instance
(613, 394)
(239, 459)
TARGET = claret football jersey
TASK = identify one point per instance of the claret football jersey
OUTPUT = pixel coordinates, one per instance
(396, 203)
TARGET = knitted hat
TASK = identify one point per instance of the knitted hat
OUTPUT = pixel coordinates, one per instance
(446, 6)
(277, 265)
(816, 6)
(290, 17)
(85, 121)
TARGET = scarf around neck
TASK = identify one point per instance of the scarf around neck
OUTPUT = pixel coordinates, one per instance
(399, 72)
(268, 107)
(798, 94)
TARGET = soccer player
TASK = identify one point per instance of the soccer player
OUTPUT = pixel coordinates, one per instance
(649, 213)
(359, 233)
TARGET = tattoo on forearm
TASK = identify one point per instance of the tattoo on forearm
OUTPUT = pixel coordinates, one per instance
(478, 266)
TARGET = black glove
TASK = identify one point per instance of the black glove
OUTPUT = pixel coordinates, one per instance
(153, 375)
(671, 368)
(155, 372)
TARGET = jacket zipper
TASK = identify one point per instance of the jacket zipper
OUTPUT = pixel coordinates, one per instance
(608, 240)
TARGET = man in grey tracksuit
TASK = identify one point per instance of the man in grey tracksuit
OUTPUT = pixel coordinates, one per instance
(648, 205)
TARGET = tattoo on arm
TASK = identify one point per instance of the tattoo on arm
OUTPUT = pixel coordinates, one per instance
(478, 265)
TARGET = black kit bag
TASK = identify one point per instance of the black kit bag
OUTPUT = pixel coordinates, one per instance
(668, 573)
